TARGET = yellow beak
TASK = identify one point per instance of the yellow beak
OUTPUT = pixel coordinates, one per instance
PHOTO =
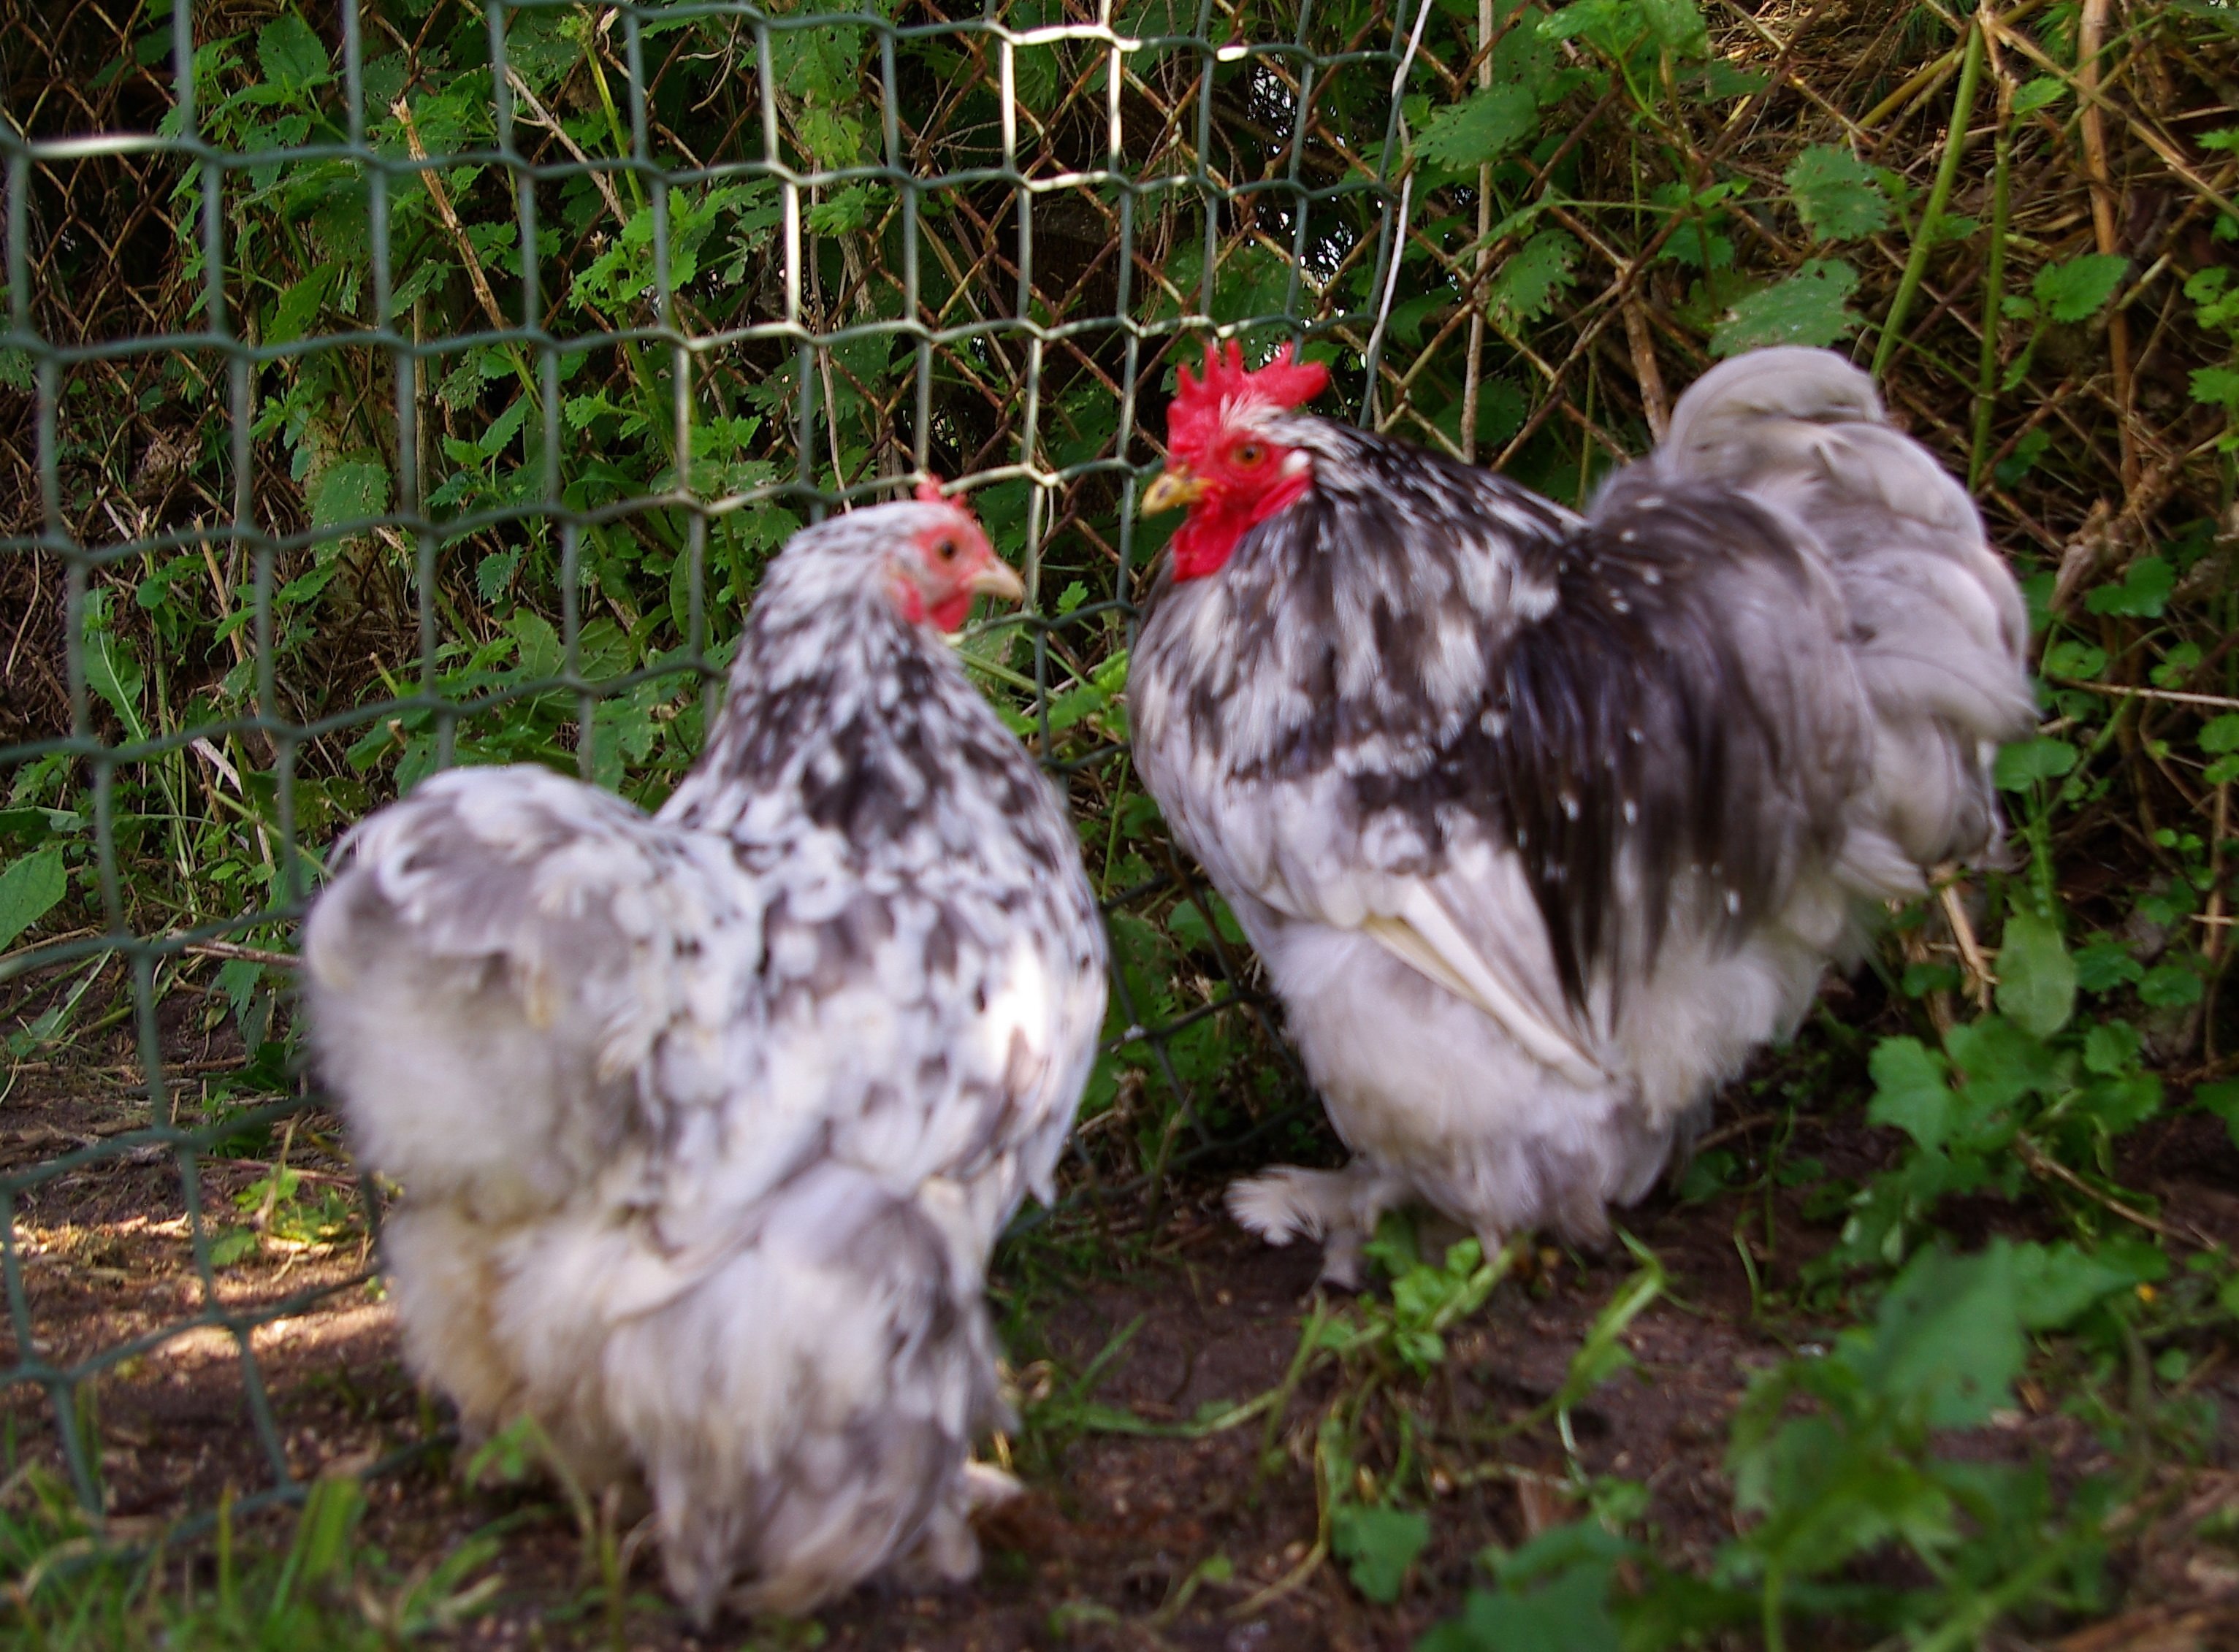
(997, 579)
(1172, 487)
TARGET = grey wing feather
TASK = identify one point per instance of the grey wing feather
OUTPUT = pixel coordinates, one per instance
(517, 977)
(1666, 751)
(1938, 626)
(526, 989)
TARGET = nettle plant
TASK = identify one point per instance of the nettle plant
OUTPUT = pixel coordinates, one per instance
(2012, 1099)
(2212, 289)
(1834, 1461)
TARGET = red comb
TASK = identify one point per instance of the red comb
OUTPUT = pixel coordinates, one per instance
(928, 493)
(1201, 404)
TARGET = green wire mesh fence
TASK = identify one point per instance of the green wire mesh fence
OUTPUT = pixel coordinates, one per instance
(392, 383)
(550, 381)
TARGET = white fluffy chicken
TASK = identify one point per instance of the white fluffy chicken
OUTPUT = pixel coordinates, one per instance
(1541, 823)
(707, 1121)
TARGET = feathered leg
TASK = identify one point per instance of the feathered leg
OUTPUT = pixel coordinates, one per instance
(1338, 1207)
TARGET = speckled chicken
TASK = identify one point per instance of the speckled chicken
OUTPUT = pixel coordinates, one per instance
(1542, 823)
(707, 1121)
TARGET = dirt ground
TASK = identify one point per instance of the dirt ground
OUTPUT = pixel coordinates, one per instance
(1120, 1538)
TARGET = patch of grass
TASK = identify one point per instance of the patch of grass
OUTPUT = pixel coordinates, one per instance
(322, 1589)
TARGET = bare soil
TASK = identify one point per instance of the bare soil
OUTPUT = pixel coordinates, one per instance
(1110, 1545)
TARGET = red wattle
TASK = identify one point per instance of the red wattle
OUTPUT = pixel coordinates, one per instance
(1207, 537)
(951, 613)
(1203, 542)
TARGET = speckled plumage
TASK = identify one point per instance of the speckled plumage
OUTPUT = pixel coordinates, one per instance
(707, 1120)
(1542, 823)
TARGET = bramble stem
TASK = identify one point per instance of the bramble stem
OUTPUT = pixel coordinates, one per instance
(1994, 278)
(1931, 218)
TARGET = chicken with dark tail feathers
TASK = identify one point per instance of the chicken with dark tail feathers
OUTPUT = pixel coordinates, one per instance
(706, 1120)
(1540, 823)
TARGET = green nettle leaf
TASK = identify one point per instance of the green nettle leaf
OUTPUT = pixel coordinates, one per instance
(493, 573)
(1574, 20)
(112, 670)
(292, 56)
(2074, 291)
(1723, 79)
(1806, 309)
(1708, 1175)
(503, 428)
(1568, 1611)
(2104, 966)
(2053, 1285)
(1677, 25)
(2143, 1260)
(29, 890)
(2026, 761)
(2037, 94)
(1836, 194)
(2143, 593)
(2171, 986)
(2002, 1062)
(540, 655)
(2069, 658)
(2221, 1098)
(1920, 979)
(842, 214)
(2110, 1047)
(2119, 1105)
(348, 490)
(1909, 1092)
(1190, 927)
(2037, 978)
(603, 649)
(2217, 387)
(1378, 1546)
(292, 315)
(1618, 25)
(2220, 734)
(2032, 447)
(1947, 1337)
(1526, 286)
(239, 978)
(537, 45)
(1480, 129)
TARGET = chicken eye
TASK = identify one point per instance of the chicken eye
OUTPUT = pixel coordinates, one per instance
(1250, 453)
(945, 549)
